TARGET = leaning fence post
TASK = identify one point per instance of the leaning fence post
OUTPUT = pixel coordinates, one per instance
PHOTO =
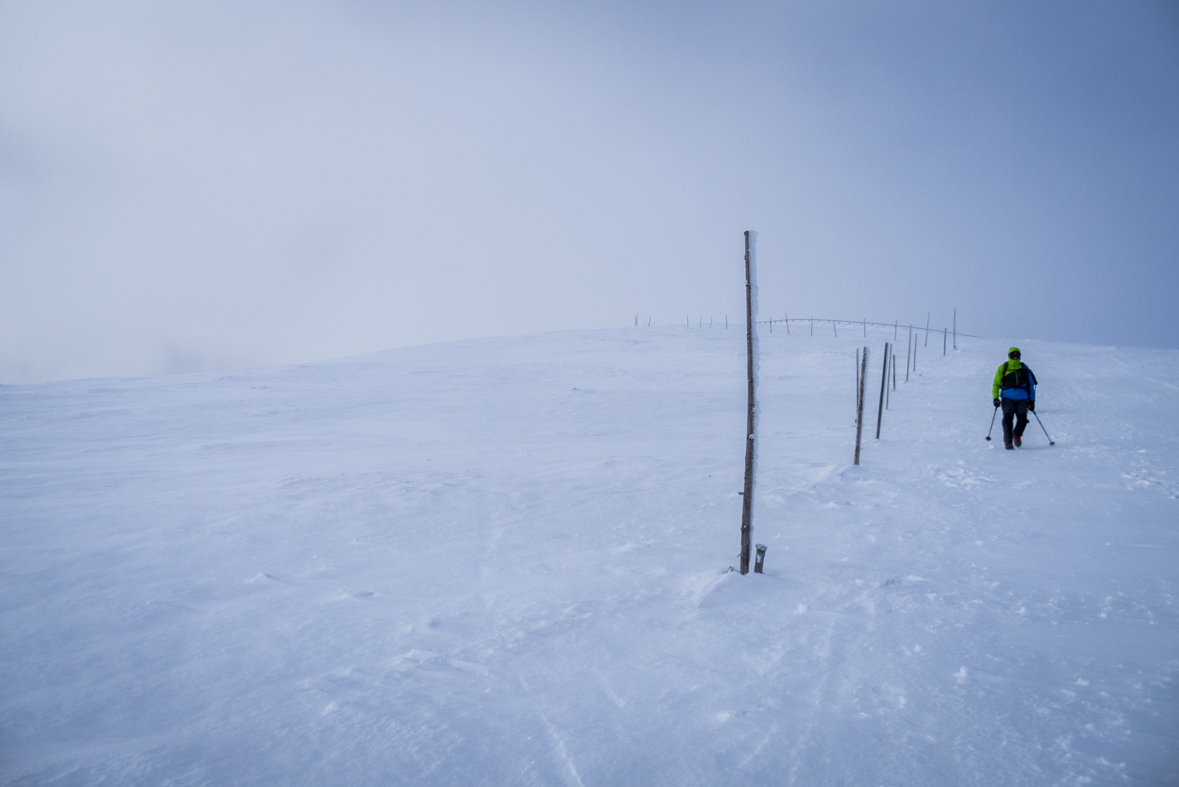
(883, 386)
(786, 315)
(857, 383)
(908, 353)
(860, 402)
(955, 329)
(943, 341)
(927, 328)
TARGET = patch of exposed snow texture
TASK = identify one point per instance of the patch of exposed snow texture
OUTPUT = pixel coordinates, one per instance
(500, 562)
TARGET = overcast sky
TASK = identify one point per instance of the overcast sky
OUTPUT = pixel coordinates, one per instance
(199, 185)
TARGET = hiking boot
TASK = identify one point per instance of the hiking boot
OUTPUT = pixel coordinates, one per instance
(1018, 442)
(1009, 446)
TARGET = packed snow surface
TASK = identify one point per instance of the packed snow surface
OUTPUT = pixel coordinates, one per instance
(504, 562)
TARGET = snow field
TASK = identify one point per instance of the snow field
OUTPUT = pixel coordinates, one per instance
(502, 562)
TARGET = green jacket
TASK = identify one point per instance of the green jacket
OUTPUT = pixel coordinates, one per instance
(1014, 380)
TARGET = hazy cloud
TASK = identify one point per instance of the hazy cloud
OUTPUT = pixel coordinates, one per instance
(187, 185)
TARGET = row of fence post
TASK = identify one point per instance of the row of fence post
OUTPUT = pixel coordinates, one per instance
(863, 324)
(888, 364)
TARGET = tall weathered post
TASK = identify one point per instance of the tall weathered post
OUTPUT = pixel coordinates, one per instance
(860, 402)
(883, 385)
(909, 354)
(751, 414)
(857, 383)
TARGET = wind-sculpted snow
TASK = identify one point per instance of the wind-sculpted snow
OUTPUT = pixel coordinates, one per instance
(503, 562)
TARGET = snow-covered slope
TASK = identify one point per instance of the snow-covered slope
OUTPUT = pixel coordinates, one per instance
(501, 562)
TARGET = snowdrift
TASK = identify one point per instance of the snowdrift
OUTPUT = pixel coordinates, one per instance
(504, 562)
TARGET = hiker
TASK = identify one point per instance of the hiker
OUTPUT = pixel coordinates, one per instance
(1014, 390)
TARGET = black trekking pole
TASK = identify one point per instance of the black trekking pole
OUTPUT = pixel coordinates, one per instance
(1041, 423)
(993, 422)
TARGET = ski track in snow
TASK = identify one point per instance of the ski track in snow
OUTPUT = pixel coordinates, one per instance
(504, 562)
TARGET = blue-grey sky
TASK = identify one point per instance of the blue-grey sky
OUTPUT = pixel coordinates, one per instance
(200, 185)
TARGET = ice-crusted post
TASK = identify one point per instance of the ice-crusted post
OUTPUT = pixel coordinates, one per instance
(883, 386)
(909, 353)
(860, 402)
(857, 382)
(751, 415)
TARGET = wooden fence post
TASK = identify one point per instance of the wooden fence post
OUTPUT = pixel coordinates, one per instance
(883, 385)
(927, 328)
(860, 402)
(955, 329)
(857, 383)
(908, 353)
(750, 420)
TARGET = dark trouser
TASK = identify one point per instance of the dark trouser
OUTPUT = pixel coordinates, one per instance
(1017, 409)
